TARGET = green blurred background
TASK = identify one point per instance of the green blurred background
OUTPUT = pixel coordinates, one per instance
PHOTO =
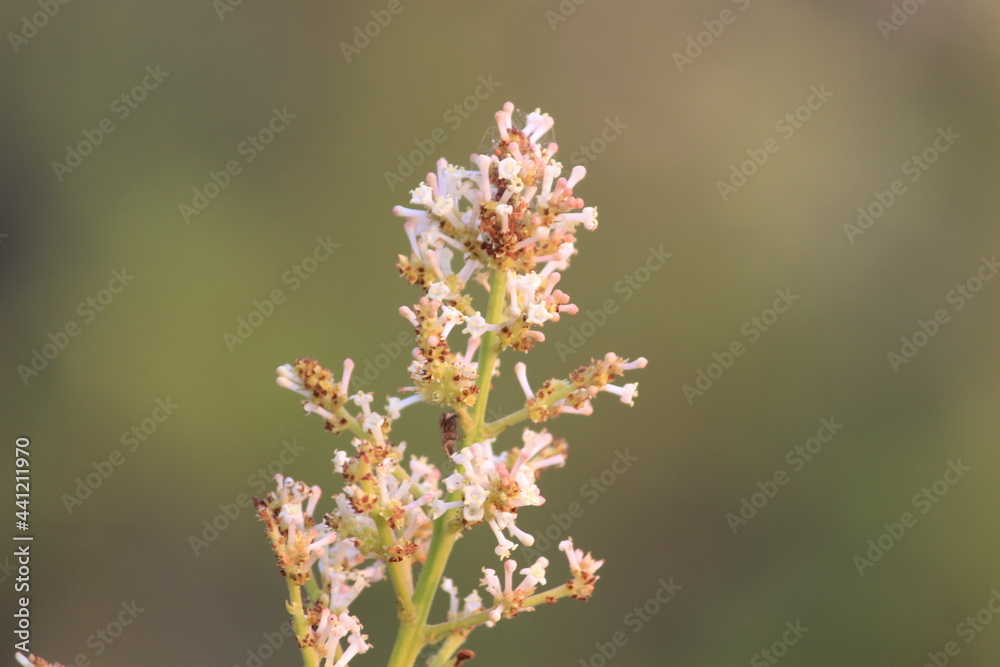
(672, 129)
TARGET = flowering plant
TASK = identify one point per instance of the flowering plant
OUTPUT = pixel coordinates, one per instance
(510, 225)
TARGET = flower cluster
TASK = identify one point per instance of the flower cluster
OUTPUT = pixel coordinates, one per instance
(493, 487)
(301, 545)
(510, 600)
(514, 216)
(503, 231)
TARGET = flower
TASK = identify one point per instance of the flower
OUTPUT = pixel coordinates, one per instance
(509, 224)
(508, 168)
(316, 384)
(508, 600)
(583, 568)
(477, 326)
(395, 405)
(627, 393)
(334, 627)
(439, 291)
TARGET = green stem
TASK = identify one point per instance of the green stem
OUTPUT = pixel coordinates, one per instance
(435, 633)
(447, 651)
(409, 639)
(302, 630)
(352, 424)
(489, 351)
(464, 418)
(495, 428)
(400, 573)
(312, 588)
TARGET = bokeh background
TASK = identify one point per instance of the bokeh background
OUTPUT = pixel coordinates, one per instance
(662, 133)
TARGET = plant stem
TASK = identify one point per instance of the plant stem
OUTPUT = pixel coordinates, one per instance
(447, 651)
(301, 626)
(410, 639)
(399, 573)
(436, 633)
(494, 428)
(489, 351)
(312, 588)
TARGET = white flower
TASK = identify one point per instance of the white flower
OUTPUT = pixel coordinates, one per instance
(472, 604)
(474, 496)
(332, 628)
(443, 206)
(508, 169)
(530, 282)
(396, 404)
(504, 545)
(372, 422)
(521, 372)
(538, 314)
(534, 574)
(627, 393)
(504, 212)
(422, 195)
(439, 291)
(632, 365)
(473, 514)
(588, 217)
(450, 317)
(477, 325)
(537, 125)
